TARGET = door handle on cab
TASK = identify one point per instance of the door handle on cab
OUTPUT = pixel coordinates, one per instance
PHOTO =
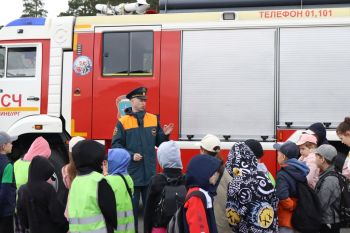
(33, 98)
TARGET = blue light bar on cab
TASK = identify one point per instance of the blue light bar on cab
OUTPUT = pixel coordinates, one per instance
(27, 22)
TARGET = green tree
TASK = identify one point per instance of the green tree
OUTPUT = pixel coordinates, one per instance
(154, 5)
(33, 8)
(83, 7)
(87, 7)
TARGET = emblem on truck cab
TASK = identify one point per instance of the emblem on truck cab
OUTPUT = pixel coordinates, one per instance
(82, 65)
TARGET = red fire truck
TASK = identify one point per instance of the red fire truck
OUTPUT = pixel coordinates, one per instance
(263, 74)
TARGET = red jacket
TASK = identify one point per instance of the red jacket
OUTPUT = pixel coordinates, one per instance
(196, 215)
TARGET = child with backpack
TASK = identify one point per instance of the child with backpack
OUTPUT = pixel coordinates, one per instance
(307, 144)
(292, 171)
(328, 189)
(203, 172)
(158, 210)
(123, 188)
(251, 200)
(38, 206)
(39, 147)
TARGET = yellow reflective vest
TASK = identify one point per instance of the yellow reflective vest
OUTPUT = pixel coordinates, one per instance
(83, 209)
(125, 216)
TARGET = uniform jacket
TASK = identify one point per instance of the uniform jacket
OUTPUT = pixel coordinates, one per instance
(139, 133)
(328, 192)
(291, 172)
(251, 200)
(7, 187)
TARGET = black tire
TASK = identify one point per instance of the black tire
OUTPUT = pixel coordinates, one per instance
(57, 159)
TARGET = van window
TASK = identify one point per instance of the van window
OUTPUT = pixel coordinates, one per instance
(21, 62)
(128, 54)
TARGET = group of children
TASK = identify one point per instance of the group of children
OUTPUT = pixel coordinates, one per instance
(28, 192)
(240, 195)
(317, 168)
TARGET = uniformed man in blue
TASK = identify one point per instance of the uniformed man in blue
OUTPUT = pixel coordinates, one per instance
(139, 132)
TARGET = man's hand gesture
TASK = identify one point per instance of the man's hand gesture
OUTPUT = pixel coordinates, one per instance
(168, 128)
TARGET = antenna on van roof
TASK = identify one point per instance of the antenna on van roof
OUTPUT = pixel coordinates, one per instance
(138, 7)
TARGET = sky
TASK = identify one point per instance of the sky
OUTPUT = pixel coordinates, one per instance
(12, 9)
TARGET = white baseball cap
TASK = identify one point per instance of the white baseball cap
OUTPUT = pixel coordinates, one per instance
(210, 143)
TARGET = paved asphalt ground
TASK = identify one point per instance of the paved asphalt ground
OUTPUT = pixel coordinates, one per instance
(140, 227)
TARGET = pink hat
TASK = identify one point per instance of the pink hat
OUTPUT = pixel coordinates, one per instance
(304, 138)
(39, 147)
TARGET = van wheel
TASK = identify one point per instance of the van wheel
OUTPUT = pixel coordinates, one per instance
(57, 159)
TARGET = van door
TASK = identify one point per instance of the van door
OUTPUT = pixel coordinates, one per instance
(20, 82)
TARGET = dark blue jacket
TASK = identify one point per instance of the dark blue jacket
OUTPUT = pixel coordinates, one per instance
(139, 133)
(292, 172)
(7, 187)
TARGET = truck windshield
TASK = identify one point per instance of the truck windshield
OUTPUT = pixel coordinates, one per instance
(21, 62)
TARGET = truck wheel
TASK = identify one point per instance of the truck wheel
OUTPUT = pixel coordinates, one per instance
(58, 161)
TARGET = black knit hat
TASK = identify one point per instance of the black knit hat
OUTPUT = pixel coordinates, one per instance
(88, 154)
(256, 147)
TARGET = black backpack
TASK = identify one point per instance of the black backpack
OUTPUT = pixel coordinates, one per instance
(178, 221)
(172, 197)
(307, 214)
(344, 211)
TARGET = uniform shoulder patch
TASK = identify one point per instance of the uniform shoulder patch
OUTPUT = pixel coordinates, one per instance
(115, 131)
